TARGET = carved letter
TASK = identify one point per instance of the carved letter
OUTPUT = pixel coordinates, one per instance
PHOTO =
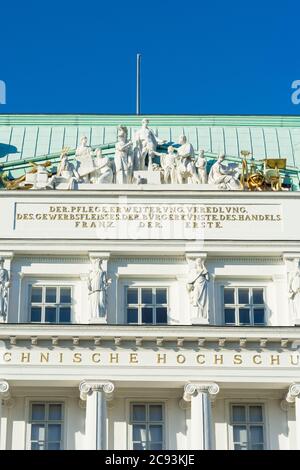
(77, 357)
(237, 359)
(255, 359)
(199, 356)
(96, 357)
(161, 358)
(218, 359)
(114, 358)
(133, 358)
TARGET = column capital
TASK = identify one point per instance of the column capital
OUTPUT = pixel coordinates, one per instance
(88, 387)
(4, 390)
(104, 255)
(192, 389)
(293, 393)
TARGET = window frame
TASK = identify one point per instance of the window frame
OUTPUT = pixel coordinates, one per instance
(131, 403)
(251, 306)
(247, 403)
(139, 305)
(43, 304)
(46, 401)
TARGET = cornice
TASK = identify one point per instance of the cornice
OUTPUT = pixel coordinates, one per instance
(180, 336)
(156, 120)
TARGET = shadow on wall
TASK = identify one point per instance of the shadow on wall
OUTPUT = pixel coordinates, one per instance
(6, 149)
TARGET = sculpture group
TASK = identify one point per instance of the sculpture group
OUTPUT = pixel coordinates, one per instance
(136, 160)
(145, 158)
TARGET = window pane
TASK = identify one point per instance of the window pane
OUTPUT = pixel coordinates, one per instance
(36, 314)
(65, 314)
(156, 446)
(256, 435)
(54, 432)
(155, 413)
(259, 315)
(37, 446)
(54, 446)
(238, 414)
(50, 314)
(38, 412)
(258, 296)
(146, 296)
(139, 432)
(132, 315)
(244, 314)
(51, 295)
(37, 432)
(155, 433)
(240, 435)
(65, 295)
(139, 446)
(255, 414)
(257, 447)
(161, 296)
(243, 296)
(229, 315)
(161, 315)
(55, 412)
(240, 446)
(138, 413)
(132, 296)
(36, 295)
(228, 296)
(147, 315)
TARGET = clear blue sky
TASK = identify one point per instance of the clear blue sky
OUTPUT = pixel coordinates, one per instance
(198, 56)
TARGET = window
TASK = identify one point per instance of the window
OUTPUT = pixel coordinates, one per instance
(244, 306)
(147, 305)
(46, 426)
(147, 421)
(248, 427)
(50, 304)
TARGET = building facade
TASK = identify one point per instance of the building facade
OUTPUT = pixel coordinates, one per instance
(149, 293)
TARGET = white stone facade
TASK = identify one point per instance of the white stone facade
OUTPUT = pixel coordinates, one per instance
(205, 382)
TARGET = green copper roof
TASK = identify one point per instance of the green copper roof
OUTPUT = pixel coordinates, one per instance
(29, 136)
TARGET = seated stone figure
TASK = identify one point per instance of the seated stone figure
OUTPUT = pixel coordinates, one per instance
(103, 173)
(84, 157)
(66, 173)
(223, 176)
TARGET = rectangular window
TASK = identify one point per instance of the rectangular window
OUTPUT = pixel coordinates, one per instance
(247, 423)
(147, 305)
(50, 304)
(244, 306)
(46, 426)
(147, 421)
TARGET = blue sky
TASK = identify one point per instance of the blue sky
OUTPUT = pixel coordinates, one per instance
(198, 57)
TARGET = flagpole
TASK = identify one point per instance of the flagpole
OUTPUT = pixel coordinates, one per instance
(138, 84)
